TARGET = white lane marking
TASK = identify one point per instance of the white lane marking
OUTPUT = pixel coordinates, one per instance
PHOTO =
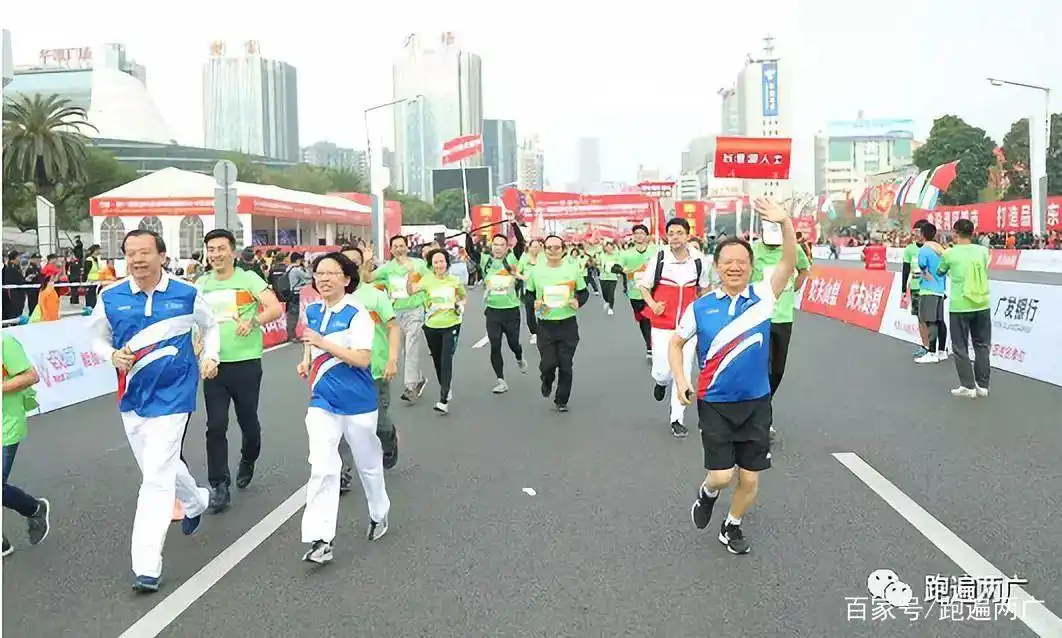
(163, 614)
(1030, 611)
(530, 491)
(276, 347)
(482, 342)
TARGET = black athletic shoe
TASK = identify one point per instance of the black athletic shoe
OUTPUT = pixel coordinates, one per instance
(701, 512)
(390, 459)
(562, 407)
(220, 498)
(547, 390)
(659, 391)
(678, 430)
(731, 536)
(244, 474)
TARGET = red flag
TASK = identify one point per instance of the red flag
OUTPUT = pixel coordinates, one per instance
(461, 148)
(944, 176)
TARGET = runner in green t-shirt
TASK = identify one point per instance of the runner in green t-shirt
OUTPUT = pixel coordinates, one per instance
(527, 263)
(385, 346)
(607, 261)
(394, 276)
(971, 318)
(910, 282)
(632, 262)
(502, 311)
(559, 290)
(444, 296)
(765, 260)
(242, 303)
(19, 379)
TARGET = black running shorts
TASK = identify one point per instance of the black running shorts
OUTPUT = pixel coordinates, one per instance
(931, 309)
(736, 434)
(915, 305)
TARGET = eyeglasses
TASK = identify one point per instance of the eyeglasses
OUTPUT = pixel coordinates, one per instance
(554, 247)
(327, 274)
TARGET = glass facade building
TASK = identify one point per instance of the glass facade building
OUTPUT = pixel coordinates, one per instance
(500, 150)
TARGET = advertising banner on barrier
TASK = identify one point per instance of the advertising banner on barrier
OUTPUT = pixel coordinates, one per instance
(857, 297)
(70, 371)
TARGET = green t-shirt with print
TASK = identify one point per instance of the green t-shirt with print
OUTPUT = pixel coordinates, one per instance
(957, 262)
(382, 311)
(634, 262)
(605, 262)
(232, 300)
(441, 297)
(15, 363)
(910, 256)
(500, 281)
(394, 276)
(765, 260)
(556, 287)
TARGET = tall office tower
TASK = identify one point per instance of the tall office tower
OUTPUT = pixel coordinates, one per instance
(442, 89)
(250, 103)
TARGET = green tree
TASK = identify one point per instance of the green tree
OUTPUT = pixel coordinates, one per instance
(415, 211)
(1016, 159)
(19, 206)
(103, 172)
(42, 142)
(450, 207)
(953, 139)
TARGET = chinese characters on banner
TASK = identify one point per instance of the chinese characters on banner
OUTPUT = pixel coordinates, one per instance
(993, 217)
(770, 89)
(461, 148)
(858, 297)
(753, 157)
(484, 216)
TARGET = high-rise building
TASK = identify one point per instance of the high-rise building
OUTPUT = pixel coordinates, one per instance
(7, 69)
(443, 86)
(848, 152)
(688, 187)
(589, 154)
(332, 156)
(250, 103)
(758, 105)
(531, 165)
(500, 150)
(647, 174)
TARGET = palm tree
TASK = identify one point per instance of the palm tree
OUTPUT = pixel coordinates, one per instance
(43, 143)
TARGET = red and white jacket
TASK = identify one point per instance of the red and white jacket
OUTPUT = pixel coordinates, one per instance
(678, 285)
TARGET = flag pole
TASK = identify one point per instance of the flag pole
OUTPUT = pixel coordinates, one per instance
(464, 190)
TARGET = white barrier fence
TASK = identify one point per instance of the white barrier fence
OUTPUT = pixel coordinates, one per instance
(62, 354)
(1021, 260)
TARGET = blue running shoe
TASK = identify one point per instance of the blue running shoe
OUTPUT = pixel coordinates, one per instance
(146, 584)
(190, 525)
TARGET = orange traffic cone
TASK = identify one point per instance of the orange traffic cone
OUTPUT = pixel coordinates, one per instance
(178, 511)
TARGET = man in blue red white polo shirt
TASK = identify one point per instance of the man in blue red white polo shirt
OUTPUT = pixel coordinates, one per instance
(732, 326)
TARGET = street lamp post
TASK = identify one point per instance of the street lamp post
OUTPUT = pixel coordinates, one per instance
(376, 195)
(1038, 164)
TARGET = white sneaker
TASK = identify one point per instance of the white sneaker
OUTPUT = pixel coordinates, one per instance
(376, 530)
(611, 312)
(501, 387)
(982, 392)
(929, 357)
(534, 339)
(442, 408)
(965, 393)
(942, 355)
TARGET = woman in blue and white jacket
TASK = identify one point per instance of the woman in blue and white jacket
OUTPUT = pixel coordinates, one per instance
(336, 361)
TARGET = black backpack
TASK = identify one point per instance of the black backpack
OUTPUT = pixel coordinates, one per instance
(278, 279)
(659, 274)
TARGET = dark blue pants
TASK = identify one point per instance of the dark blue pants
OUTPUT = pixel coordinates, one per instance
(15, 498)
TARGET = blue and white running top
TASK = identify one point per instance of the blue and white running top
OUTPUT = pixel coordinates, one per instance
(157, 326)
(733, 343)
(335, 386)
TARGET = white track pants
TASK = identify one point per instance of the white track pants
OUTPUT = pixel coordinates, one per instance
(324, 430)
(156, 444)
(661, 342)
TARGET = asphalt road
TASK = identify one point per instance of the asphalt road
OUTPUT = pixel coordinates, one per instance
(1052, 278)
(605, 547)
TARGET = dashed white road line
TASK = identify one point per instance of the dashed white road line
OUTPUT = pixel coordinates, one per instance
(1030, 611)
(482, 342)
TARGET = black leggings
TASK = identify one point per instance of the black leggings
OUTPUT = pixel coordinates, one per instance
(442, 344)
(781, 333)
(646, 328)
(608, 291)
(529, 313)
(503, 322)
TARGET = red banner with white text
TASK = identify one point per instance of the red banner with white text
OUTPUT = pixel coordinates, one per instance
(992, 217)
(753, 157)
(857, 297)
(461, 148)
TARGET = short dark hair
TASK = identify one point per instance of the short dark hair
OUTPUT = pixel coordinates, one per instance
(500, 236)
(638, 227)
(733, 240)
(558, 237)
(437, 251)
(394, 237)
(929, 232)
(160, 245)
(963, 228)
(919, 224)
(296, 257)
(221, 233)
(348, 267)
(51, 256)
(677, 221)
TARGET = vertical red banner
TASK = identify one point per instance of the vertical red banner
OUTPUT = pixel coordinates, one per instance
(696, 213)
(484, 216)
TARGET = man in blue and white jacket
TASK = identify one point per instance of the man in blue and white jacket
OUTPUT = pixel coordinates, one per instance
(143, 325)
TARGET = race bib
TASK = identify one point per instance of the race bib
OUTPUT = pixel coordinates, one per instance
(443, 298)
(499, 285)
(556, 296)
(398, 287)
(224, 305)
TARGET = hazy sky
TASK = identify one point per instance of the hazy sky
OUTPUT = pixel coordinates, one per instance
(642, 76)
